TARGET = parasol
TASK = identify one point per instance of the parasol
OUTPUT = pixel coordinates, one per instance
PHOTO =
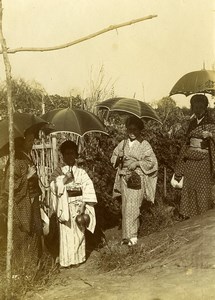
(131, 106)
(22, 122)
(202, 81)
(76, 121)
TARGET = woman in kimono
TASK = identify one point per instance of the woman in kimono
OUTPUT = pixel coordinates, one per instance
(72, 195)
(134, 154)
(27, 223)
(196, 161)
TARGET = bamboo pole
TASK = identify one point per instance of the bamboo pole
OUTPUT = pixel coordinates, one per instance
(80, 40)
(164, 184)
(11, 151)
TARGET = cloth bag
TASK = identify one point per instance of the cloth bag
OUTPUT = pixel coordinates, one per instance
(134, 181)
(177, 184)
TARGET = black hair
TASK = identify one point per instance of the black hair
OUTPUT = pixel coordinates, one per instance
(133, 120)
(199, 98)
(68, 145)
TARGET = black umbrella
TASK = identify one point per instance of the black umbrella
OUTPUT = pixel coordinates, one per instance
(22, 122)
(76, 121)
(202, 81)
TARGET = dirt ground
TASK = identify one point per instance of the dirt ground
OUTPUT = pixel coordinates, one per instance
(187, 273)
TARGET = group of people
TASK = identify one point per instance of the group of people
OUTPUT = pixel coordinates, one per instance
(73, 195)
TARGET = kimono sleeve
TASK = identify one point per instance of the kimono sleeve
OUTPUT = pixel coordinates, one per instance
(115, 154)
(148, 160)
(88, 191)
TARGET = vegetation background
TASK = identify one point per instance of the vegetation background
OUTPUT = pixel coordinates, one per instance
(165, 139)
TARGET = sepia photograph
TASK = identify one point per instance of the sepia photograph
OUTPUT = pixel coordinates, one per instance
(107, 149)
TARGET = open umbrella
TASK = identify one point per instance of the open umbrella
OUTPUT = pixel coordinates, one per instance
(131, 106)
(202, 81)
(22, 122)
(76, 121)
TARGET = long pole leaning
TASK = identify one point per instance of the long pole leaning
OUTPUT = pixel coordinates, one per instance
(11, 151)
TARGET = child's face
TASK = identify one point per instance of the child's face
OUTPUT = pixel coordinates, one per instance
(69, 157)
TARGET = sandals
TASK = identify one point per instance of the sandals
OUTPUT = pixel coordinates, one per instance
(124, 242)
(129, 242)
(132, 241)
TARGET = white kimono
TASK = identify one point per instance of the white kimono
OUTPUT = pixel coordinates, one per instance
(72, 238)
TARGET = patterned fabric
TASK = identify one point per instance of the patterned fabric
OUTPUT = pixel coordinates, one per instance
(72, 238)
(196, 164)
(27, 224)
(131, 203)
(131, 199)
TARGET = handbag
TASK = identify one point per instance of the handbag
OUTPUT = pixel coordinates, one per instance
(134, 181)
(177, 184)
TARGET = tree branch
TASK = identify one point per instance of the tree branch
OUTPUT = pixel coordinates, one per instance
(88, 37)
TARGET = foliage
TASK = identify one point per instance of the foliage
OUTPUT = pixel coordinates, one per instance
(55, 101)
(27, 97)
(31, 97)
(96, 160)
(99, 89)
(168, 112)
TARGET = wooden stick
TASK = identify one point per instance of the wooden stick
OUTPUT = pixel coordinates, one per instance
(80, 40)
(11, 155)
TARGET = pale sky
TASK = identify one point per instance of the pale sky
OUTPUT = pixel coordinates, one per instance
(145, 59)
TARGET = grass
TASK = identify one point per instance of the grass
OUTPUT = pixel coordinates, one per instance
(150, 248)
(29, 278)
(158, 238)
(155, 218)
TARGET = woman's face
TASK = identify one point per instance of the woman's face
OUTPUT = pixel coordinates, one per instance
(199, 109)
(69, 156)
(133, 131)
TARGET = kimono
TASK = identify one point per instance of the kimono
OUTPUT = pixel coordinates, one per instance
(72, 248)
(196, 163)
(27, 223)
(132, 199)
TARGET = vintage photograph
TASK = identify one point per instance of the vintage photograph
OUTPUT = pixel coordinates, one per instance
(107, 149)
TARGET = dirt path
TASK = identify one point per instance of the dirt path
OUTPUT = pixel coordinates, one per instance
(189, 273)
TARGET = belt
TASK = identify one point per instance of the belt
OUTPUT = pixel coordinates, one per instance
(198, 149)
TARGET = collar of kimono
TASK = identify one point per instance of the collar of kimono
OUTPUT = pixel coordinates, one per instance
(139, 139)
(65, 168)
(199, 120)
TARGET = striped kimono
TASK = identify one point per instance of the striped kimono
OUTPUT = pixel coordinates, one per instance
(132, 199)
(72, 238)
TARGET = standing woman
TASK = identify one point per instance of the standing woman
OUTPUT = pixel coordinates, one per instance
(197, 161)
(27, 223)
(72, 199)
(136, 177)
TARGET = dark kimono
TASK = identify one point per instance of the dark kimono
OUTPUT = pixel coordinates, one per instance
(196, 163)
(27, 223)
